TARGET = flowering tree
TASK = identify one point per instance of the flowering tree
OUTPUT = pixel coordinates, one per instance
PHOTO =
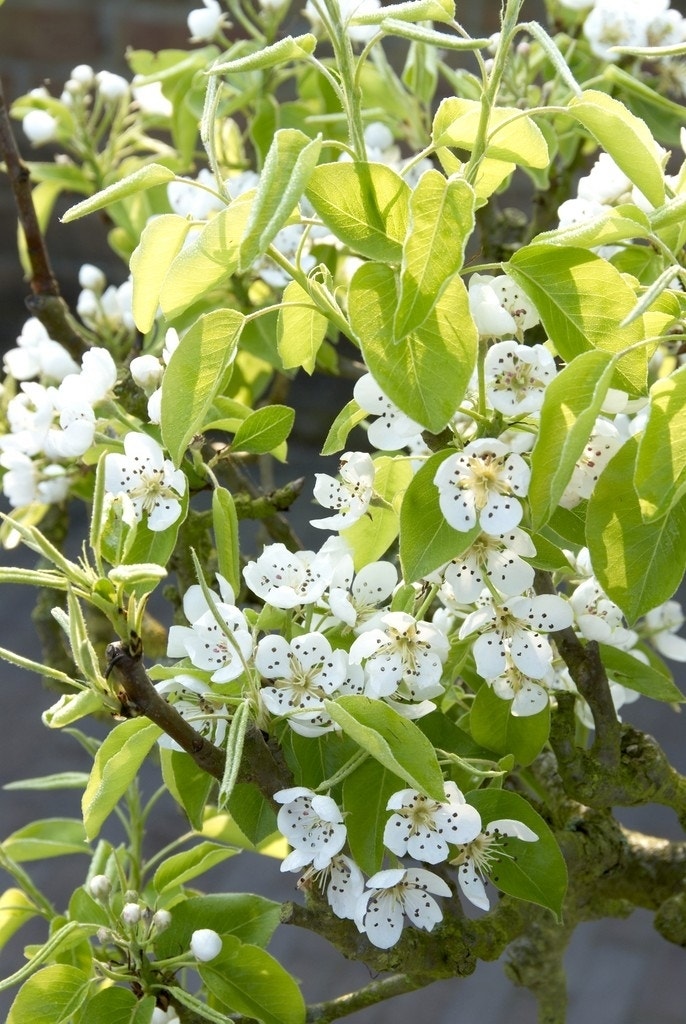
(423, 711)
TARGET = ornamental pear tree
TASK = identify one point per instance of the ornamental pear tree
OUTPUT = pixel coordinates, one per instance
(424, 714)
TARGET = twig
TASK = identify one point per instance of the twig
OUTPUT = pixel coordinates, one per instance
(45, 302)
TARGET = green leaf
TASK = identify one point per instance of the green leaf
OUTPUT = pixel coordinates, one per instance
(365, 795)
(161, 241)
(287, 168)
(625, 137)
(614, 224)
(301, 329)
(511, 134)
(427, 541)
(372, 535)
(49, 837)
(210, 258)
(661, 459)
(145, 177)
(314, 758)
(116, 1005)
(441, 221)
(396, 742)
(181, 867)
(582, 300)
(249, 918)
(291, 48)
(225, 526)
(492, 724)
(51, 996)
(252, 813)
(365, 205)
(427, 375)
(570, 408)
(638, 564)
(427, 36)
(188, 784)
(15, 910)
(246, 979)
(60, 780)
(410, 11)
(116, 765)
(194, 376)
(538, 874)
(348, 418)
(264, 430)
(623, 668)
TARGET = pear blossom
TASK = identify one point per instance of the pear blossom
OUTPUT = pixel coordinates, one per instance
(421, 828)
(111, 87)
(30, 414)
(286, 579)
(482, 484)
(491, 319)
(393, 893)
(350, 496)
(604, 442)
(206, 944)
(516, 628)
(218, 639)
(197, 198)
(146, 481)
(168, 1016)
(198, 704)
(37, 355)
(392, 429)
(402, 657)
(91, 278)
(305, 671)
(349, 9)
(605, 183)
(617, 23)
(528, 696)
(359, 601)
(660, 626)
(203, 24)
(313, 826)
(599, 618)
(477, 859)
(25, 481)
(341, 881)
(498, 559)
(517, 376)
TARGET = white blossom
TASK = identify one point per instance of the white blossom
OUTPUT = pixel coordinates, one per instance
(147, 481)
(604, 442)
(341, 881)
(478, 858)
(599, 618)
(350, 496)
(422, 828)
(25, 481)
(359, 601)
(37, 355)
(198, 704)
(482, 484)
(394, 893)
(528, 696)
(313, 826)
(39, 127)
(498, 559)
(110, 86)
(660, 627)
(204, 23)
(286, 579)
(517, 376)
(392, 429)
(516, 629)
(402, 657)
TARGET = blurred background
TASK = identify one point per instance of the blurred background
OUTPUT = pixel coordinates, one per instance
(620, 972)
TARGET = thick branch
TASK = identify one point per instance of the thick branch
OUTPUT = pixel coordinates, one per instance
(368, 995)
(45, 303)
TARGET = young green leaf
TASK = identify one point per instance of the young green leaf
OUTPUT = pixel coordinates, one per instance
(582, 300)
(287, 168)
(50, 837)
(225, 526)
(249, 918)
(638, 564)
(116, 765)
(348, 418)
(427, 375)
(15, 910)
(264, 429)
(290, 48)
(657, 474)
(534, 871)
(396, 742)
(189, 785)
(182, 867)
(622, 667)
(441, 221)
(51, 996)
(301, 329)
(493, 725)
(161, 241)
(571, 406)
(511, 134)
(365, 795)
(365, 205)
(625, 137)
(195, 373)
(426, 540)
(145, 177)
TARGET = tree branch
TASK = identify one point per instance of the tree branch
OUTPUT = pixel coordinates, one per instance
(45, 303)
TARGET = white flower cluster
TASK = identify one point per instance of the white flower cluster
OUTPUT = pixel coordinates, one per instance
(611, 23)
(84, 89)
(426, 830)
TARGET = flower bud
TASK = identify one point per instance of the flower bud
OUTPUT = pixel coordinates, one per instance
(147, 372)
(161, 919)
(206, 944)
(131, 913)
(111, 87)
(100, 887)
(204, 24)
(39, 127)
(92, 278)
(83, 74)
